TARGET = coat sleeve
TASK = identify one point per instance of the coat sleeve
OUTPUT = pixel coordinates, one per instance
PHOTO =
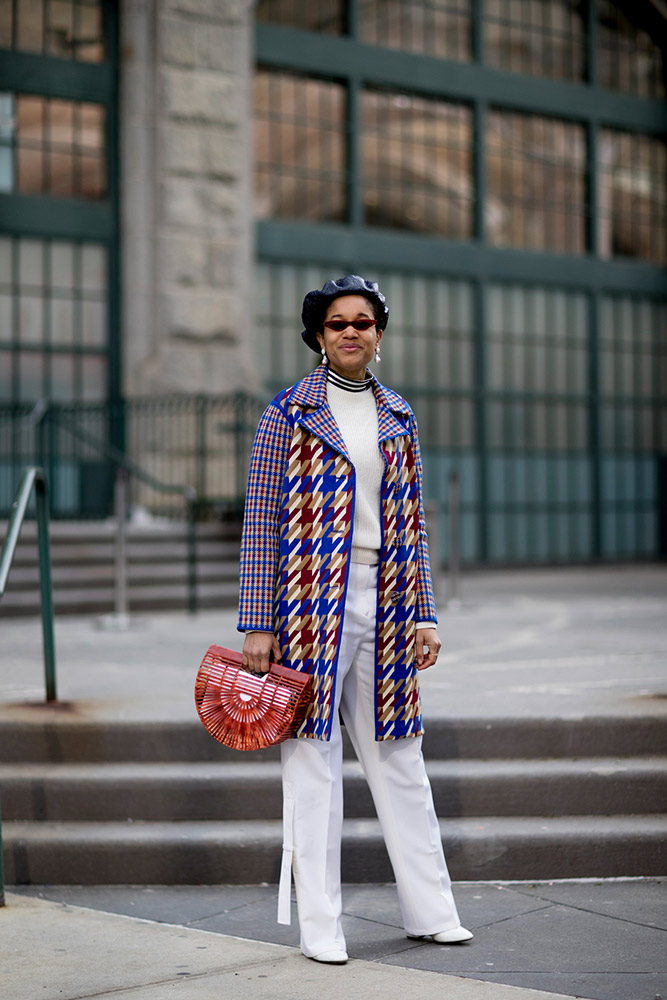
(260, 538)
(425, 601)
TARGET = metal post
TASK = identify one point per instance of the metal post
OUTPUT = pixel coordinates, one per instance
(2, 866)
(191, 501)
(432, 516)
(453, 594)
(120, 508)
(45, 587)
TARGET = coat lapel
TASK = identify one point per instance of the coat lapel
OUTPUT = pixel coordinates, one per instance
(309, 396)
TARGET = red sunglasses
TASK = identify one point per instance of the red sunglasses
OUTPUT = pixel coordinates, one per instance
(338, 325)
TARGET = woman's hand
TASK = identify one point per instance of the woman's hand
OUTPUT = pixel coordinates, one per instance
(259, 650)
(427, 647)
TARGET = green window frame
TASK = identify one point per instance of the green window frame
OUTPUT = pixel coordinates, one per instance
(582, 267)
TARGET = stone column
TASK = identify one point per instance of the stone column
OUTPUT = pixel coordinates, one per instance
(186, 73)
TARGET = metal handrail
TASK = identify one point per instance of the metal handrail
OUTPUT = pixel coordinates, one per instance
(121, 461)
(34, 476)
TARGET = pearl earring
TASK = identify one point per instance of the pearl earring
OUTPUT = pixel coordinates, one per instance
(324, 357)
(378, 359)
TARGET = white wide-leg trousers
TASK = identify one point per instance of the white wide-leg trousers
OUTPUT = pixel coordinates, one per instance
(395, 772)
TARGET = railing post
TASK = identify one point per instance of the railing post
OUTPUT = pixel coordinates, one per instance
(2, 865)
(45, 585)
(120, 510)
(191, 501)
(432, 516)
(453, 595)
(34, 477)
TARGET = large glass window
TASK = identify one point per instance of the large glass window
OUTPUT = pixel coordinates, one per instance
(417, 157)
(632, 195)
(632, 354)
(300, 147)
(537, 37)
(539, 472)
(536, 183)
(631, 41)
(439, 28)
(53, 320)
(67, 29)
(52, 147)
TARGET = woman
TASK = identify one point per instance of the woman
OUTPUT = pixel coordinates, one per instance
(335, 580)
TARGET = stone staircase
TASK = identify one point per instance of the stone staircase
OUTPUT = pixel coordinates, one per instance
(163, 803)
(83, 573)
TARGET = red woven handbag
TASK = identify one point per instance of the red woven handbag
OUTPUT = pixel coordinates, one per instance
(248, 711)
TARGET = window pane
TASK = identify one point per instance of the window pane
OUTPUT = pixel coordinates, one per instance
(88, 32)
(60, 29)
(62, 377)
(93, 324)
(93, 268)
(62, 265)
(6, 22)
(300, 147)
(31, 376)
(439, 28)
(93, 378)
(526, 355)
(64, 29)
(417, 164)
(325, 16)
(31, 320)
(31, 262)
(58, 300)
(536, 183)
(60, 148)
(62, 322)
(30, 25)
(632, 193)
(630, 57)
(537, 37)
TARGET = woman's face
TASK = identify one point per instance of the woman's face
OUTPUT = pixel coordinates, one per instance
(349, 351)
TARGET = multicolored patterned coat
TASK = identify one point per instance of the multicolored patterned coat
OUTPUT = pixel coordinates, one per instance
(295, 550)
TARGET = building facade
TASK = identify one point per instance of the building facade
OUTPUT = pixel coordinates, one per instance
(175, 174)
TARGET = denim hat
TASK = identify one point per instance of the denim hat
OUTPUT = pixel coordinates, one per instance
(316, 303)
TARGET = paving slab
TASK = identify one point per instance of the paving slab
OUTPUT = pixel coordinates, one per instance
(603, 940)
(619, 899)
(56, 951)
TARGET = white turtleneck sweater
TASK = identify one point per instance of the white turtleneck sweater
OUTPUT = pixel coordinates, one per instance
(356, 416)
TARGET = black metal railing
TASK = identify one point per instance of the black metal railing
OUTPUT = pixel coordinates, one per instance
(33, 478)
(202, 442)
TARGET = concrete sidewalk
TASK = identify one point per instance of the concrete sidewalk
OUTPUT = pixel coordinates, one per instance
(55, 951)
(605, 940)
(568, 644)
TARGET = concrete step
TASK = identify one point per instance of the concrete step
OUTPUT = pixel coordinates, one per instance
(82, 558)
(138, 574)
(252, 790)
(162, 596)
(86, 559)
(61, 733)
(194, 853)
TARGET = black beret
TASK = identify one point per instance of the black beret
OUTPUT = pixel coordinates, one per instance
(316, 303)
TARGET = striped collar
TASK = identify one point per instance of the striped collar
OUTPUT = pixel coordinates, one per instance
(311, 390)
(348, 384)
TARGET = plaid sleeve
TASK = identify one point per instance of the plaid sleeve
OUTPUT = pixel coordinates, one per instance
(425, 601)
(260, 538)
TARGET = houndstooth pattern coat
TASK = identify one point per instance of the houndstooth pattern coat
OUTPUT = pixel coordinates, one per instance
(295, 549)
